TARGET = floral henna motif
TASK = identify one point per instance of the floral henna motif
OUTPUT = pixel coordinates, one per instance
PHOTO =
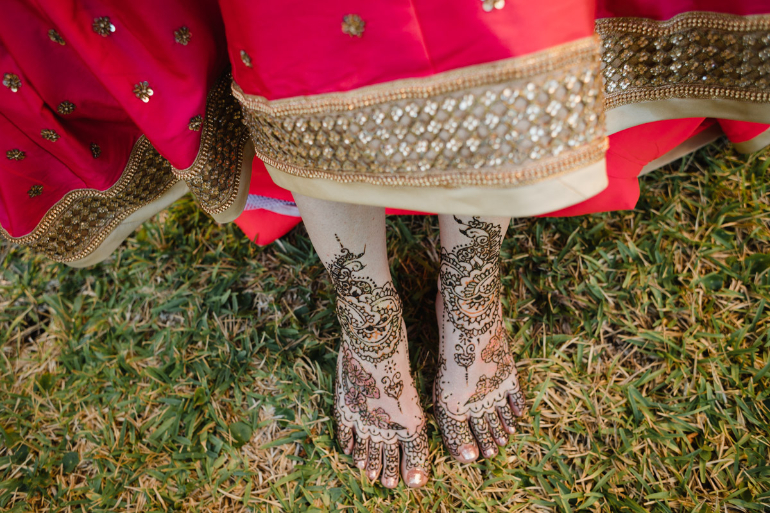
(358, 386)
(393, 387)
(470, 284)
(497, 351)
(370, 315)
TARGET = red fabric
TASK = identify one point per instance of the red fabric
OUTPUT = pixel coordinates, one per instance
(298, 47)
(97, 74)
(741, 131)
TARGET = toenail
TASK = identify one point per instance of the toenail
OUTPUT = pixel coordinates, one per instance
(361, 464)
(390, 482)
(489, 452)
(416, 477)
(372, 474)
(469, 453)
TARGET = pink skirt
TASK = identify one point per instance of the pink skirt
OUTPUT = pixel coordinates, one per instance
(110, 111)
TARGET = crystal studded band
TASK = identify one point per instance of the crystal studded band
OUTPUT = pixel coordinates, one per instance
(505, 123)
(214, 176)
(83, 218)
(693, 55)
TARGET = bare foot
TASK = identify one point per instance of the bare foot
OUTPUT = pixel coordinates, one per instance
(377, 411)
(476, 393)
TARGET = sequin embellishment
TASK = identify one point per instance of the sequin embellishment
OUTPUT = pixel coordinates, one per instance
(505, 123)
(489, 5)
(66, 107)
(12, 82)
(102, 26)
(692, 55)
(15, 154)
(49, 135)
(182, 36)
(245, 58)
(55, 37)
(35, 191)
(96, 151)
(353, 25)
(196, 122)
(142, 91)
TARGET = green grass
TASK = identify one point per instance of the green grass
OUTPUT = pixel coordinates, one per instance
(643, 341)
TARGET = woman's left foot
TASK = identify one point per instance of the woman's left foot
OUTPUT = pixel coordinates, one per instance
(476, 393)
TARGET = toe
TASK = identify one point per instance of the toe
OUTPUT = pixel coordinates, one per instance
(374, 460)
(414, 464)
(359, 452)
(508, 418)
(389, 476)
(483, 436)
(518, 406)
(457, 436)
(345, 438)
(496, 428)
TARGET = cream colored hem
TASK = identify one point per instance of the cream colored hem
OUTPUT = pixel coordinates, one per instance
(696, 142)
(129, 224)
(755, 144)
(634, 114)
(544, 196)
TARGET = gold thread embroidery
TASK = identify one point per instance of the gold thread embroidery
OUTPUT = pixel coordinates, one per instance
(196, 122)
(15, 154)
(245, 58)
(503, 123)
(55, 37)
(12, 81)
(96, 151)
(214, 177)
(692, 55)
(49, 135)
(66, 108)
(83, 218)
(182, 36)
(35, 191)
(353, 25)
(489, 5)
(142, 91)
(102, 26)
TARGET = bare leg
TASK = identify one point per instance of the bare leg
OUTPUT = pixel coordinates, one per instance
(377, 409)
(476, 392)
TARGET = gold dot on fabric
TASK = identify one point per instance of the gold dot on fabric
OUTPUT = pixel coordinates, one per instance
(196, 123)
(489, 5)
(49, 135)
(245, 58)
(15, 154)
(182, 36)
(102, 26)
(353, 25)
(12, 82)
(96, 151)
(66, 107)
(35, 191)
(142, 91)
(55, 37)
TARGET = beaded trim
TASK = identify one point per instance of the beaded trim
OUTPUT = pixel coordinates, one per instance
(505, 123)
(693, 55)
(83, 218)
(215, 175)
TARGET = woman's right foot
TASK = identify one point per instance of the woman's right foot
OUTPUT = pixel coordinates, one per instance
(376, 407)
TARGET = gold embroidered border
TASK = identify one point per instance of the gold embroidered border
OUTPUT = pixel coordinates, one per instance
(215, 175)
(498, 124)
(702, 55)
(82, 219)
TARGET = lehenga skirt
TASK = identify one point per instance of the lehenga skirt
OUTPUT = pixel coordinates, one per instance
(112, 110)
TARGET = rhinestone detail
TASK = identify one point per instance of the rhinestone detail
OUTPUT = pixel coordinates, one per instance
(66, 108)
(245, 58)
(503, 123)
(142, 91)
(693, 55)
(182, 36)
(96, 151)
(12, 81)
(49, 135)
(102, 26)
(35, 191)
(196, 122)
(15, 154)
(353, 25)
(55, 37)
